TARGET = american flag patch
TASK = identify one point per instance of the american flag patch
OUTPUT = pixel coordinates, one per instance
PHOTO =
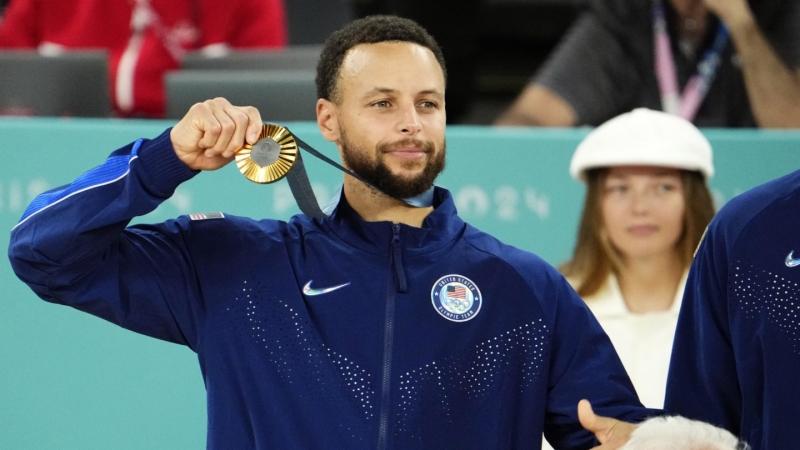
(456, 298)
(204, 216)
(459, 292)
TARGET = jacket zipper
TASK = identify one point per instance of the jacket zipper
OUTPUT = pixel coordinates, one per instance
(398, 276)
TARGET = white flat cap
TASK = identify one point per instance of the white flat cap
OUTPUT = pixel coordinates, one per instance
(644, 137)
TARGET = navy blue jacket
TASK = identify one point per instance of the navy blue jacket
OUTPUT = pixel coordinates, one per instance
(334, 333)
(736, 358)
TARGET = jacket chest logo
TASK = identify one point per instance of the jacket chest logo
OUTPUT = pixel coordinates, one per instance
(791, 261)
(456, 298)
(308, 290)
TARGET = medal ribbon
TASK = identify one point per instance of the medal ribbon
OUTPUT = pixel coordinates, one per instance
(684, 105)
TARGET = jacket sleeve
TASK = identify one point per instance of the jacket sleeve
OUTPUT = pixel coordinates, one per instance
(583, 365)
(702, 382)
(72, 246)
(18, 27)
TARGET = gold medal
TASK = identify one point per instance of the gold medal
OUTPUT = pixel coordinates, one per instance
(276, 154)
(270, 158)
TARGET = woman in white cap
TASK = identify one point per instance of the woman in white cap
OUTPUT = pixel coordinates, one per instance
(647, 205)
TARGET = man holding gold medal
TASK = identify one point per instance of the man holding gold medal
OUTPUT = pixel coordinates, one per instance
(388, 323)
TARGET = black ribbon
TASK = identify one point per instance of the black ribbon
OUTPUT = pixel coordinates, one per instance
(301, 187)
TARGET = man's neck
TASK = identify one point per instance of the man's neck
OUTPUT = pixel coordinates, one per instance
(373, 206)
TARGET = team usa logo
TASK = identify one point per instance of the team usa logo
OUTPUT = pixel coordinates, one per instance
(456, 298)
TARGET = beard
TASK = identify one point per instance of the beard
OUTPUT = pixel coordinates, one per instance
(378, 174)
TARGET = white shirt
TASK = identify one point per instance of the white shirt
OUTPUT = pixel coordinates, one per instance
(643, 340)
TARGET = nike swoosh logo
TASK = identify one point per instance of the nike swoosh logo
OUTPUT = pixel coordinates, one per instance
(308, 290)
(792, 262)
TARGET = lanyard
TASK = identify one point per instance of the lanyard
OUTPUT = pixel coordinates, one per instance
(684, 105)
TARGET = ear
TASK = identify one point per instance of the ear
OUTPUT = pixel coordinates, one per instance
(328, 119)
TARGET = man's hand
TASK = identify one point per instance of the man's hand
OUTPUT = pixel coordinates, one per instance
(611, 433)
(733, 13)
(211, 132)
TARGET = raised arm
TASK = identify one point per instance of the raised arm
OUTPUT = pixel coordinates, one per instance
(538, 106)
(73, 247)
(587, 79)
(773, 87)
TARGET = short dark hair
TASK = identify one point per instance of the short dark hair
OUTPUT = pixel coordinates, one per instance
(368, 30)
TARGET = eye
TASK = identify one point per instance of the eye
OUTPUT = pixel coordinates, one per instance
(381, 104)
(427, 104)
(617, 189)
(667, 187)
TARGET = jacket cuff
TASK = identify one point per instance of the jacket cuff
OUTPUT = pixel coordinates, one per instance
(163, 169)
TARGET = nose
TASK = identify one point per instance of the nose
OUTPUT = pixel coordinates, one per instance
(641, 201)
(409, 122)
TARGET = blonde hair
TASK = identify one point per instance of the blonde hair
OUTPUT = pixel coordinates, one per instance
(594, 258)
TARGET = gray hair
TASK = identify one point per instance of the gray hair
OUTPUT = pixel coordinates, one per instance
(680, 433)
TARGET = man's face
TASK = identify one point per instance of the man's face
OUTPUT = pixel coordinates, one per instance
(391, 117)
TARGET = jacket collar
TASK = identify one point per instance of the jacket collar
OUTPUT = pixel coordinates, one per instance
(441, 227)
(608, 302)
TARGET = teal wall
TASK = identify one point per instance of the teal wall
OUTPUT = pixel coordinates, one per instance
(71, 381)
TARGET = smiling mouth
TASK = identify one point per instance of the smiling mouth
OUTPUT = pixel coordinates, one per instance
(408, 146)
(408, 153)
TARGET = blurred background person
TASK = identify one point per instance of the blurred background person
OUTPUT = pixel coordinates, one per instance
(717, 63)
(144, 38)
(647, 204)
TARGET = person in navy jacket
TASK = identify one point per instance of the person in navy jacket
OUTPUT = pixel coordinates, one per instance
(735, 358)
(382, 325)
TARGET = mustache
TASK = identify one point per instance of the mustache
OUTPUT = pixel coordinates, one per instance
(427, 146)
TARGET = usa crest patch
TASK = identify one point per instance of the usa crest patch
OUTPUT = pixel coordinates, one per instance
(456, 298)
